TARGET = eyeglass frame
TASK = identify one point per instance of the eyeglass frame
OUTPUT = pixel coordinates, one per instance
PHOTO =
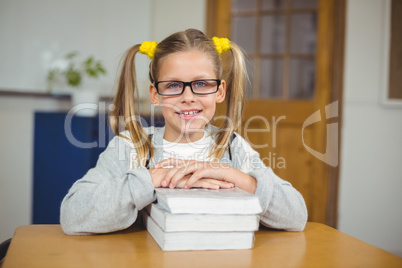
(185, 84)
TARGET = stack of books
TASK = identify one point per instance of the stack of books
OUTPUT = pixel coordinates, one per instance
(202, 219)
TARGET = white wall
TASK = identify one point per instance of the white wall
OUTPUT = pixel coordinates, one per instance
(36, 33)
(30, 31)
(371, 169)
(176, 15)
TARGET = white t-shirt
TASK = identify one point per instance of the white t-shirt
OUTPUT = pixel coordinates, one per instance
(198, 150)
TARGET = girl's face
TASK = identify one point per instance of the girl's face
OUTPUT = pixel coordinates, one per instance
(186, 115)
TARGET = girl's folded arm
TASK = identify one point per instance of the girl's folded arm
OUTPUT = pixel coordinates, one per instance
(283, 206)
(109, 196)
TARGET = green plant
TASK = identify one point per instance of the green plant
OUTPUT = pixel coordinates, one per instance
(74, 73)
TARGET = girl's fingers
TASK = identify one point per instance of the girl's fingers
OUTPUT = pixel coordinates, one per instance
(198, 172)
(221, 184)
(207, 185)
(175, 174)
(180, 173)
(212, 184)
(179, 168)
(204, 173)
(166, 181)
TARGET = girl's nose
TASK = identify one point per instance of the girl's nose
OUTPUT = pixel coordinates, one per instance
(187, 95)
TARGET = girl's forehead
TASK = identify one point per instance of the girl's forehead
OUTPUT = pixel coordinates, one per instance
(186, 62)
(192, 54)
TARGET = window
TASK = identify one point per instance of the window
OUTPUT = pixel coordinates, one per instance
(279, 38)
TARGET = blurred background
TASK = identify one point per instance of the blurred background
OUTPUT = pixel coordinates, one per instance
(324, 91)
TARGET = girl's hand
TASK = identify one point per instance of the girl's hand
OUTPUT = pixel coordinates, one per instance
(158, 176)
(198, 170)
(195, 170)
(205, 183)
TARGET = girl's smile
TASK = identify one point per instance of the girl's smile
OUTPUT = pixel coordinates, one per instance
(189, 114)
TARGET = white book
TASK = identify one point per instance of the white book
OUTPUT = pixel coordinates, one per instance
(197, 240)
(202, 222)
(206, 201)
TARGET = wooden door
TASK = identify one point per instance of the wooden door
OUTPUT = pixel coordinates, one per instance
(291, 116)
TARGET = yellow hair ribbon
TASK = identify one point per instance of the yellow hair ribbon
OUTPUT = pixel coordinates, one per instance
(221, 44)
(148, 48)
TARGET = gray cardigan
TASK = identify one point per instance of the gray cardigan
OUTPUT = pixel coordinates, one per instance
(110, 195)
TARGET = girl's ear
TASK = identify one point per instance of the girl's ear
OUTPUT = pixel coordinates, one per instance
(220, 95)
(153, 95)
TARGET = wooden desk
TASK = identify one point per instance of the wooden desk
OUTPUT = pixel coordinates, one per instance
(318, 246)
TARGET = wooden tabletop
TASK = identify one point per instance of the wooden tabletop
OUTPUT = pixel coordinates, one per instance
(317, 246)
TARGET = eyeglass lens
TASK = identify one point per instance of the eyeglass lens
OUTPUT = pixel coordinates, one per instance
(198, 87)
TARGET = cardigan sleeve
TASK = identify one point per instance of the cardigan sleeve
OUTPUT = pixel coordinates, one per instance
(283, 206)
(109, 196)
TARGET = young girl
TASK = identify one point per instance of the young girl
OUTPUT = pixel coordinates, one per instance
(189, 74)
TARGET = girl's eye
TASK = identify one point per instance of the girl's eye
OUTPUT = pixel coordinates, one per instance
(200, 84)
(173, 85)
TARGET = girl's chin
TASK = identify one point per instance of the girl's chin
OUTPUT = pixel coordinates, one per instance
(193, 131)
(193, 127)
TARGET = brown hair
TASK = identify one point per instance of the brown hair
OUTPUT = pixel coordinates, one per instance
(229, 66)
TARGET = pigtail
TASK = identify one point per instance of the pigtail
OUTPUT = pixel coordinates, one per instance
(126, 112)
(235, 75)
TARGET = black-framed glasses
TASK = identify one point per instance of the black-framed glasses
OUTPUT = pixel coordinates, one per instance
(198, 87)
